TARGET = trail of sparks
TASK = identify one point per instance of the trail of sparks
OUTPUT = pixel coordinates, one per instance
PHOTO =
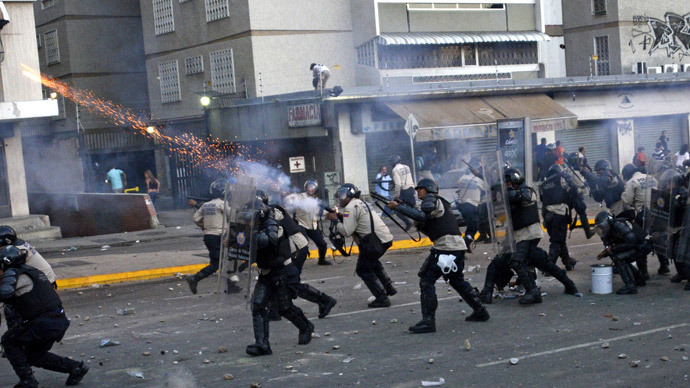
(211, 153)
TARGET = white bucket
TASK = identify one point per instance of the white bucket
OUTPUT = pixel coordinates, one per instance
(602, 279)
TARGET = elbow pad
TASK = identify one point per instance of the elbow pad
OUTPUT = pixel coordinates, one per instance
(411, 212)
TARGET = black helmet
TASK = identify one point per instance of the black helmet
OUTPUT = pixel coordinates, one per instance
(476, 163)
(217, 188)
(311, 184)
(602, 165)
(628, 171)
(427, 184)
(262, 196)
(394, 159)
(551, 147)
(11, 257)
(603, 222)
(514, 176)
(553, 170)
(7, 236)
(348, 190)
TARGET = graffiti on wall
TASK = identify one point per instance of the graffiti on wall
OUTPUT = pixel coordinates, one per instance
(671, 34)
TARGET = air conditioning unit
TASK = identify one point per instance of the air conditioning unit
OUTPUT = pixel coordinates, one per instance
(671, 68)
(639, 68)
(685, 67)
(654, 70)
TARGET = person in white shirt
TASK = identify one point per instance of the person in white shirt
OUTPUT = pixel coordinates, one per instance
(321, 75)
(682, 155)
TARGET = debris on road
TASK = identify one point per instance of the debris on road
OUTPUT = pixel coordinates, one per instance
(664, 358)
(336, 347)
(614, 318)
(431, 361)
(394, 320)
(514, 361)
(105, 247)
(605, 345)
(108, 342)
(222, 349)
(136, 373)
(635, 363)
(255, 385)
(146, 354)
(622, 356)
(228, 377)
(348, 360)
(440, 381)
(400, 283)
(468, 347)
(127, 311)
(357, 286)
(327, 334)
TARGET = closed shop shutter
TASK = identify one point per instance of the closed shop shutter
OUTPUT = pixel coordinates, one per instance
(648, 130)
(593, 135)
(381, 145)
(480, 146)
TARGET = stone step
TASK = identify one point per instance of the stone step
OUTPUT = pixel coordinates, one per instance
(32, 221)
(40, 234)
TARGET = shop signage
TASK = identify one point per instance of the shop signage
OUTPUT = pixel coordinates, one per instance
(297, 164)
(511, 142)
(463, 132)
(304, 115)
(548, 125)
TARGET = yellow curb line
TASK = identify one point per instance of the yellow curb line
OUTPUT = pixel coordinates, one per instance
(146, 274)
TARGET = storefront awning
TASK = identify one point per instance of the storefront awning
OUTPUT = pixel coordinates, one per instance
(464, 118)
(405, 38)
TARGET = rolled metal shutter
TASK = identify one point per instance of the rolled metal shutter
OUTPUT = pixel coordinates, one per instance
(381, 145)
(648, 130)
(479, 146)
(593, 135)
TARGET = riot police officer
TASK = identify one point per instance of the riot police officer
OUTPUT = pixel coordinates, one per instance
(555, 196)
(210, 217)
(524, 213)
(357, 220)
(624, 244)
(498, 273)
(403, 186)
(606, 186)
(447, 257)
(43, 324)
(306, 211)
(471, 186)
(299, 250)
(278, 280)
(576, 163)
(667, 208)
(637, 187)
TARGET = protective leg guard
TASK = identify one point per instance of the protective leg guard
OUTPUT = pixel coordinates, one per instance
(76, 374)
(532, 296)
(297, 318)
(554, 251)
(628, 278)
(663, 266)
(642, 267)
(385, 280)
(429, 304)
(486, 295)
(479, 313)
(193, 280)
(261, 347)
(26, 378)
(568, 262)
(379, 293)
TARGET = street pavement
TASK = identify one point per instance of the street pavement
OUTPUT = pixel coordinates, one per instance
(177, 339)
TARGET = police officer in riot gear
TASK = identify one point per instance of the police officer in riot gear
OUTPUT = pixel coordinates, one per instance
(299, 249)
(624, 243)
(307, 211)
(667, 208)
(498, 273)
(555, 196)
(27, 344)
(637, 186)
(577, 196)
(357, 220)
(550, 159)
(471, 186)
(278, 280)
(606, 186)
(210, 217)
(447, 257)
(524, 213)
(403, 186)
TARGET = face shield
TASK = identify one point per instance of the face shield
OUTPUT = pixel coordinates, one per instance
(311, 188)
(602, 229)
(341, 194)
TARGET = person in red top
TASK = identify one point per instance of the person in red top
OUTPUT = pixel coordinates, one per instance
(640, 159)
(559, 153)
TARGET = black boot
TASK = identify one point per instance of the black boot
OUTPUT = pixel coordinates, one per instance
(26, 378)
(532, 293)
(663, 266)
(295, 315)
(379, 293)
(487, 294)
(428, 322)
(532, 296)
(325, 302)
(192, 281)
(642, 268)
(77, 373)
(479, 313)
(588, 231)
(273, 313)
(261, 347)
(323, 261)
(386, 281)
(638, 276)
(628, 278)
(568, 262)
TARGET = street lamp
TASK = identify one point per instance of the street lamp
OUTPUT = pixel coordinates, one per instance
(150, 129)
(53, 95)
(205, 101)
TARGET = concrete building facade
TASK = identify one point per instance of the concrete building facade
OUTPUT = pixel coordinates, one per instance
(631, 36)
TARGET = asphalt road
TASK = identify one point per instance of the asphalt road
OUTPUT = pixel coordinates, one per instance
(174, 337)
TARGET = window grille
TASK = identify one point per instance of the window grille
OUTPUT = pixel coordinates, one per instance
(601, 49)
(217, 9)
(599, 7)
(170, 82)
(194, 65)
(163, 20)
(222, 72)
(52, 47)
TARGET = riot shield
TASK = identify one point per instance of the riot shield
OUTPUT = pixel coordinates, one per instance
(241, 231)
(649, 184)
(500, 223)
(680, 226)
(660, 214)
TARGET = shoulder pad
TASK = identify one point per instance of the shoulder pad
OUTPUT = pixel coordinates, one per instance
(429, 203)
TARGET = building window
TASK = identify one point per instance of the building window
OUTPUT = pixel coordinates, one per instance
(194, 65)
(601, 50)
(599, 7)
(163, 20)
(47, 4)
(222, 72)
(52, 47)
(217, 9)
(366, 54)
(170, 82)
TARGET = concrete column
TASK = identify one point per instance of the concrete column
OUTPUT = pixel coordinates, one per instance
(16, 176)
(353, 152)
(625, 134)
